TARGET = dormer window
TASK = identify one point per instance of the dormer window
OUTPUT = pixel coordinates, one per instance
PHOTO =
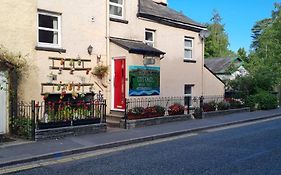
(116, 9)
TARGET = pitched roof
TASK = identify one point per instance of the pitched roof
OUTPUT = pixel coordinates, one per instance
(137, 47)
(219, 65)
(163, 14)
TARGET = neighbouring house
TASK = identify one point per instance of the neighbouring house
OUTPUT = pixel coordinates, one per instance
(226, 68)
(123, 49)
(156, 51)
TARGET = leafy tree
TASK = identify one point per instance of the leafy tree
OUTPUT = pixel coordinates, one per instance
(242, 54)
(264, 63)
(217, 43)
(258, 30)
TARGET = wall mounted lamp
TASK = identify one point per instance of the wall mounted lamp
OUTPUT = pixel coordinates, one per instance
(90, 49)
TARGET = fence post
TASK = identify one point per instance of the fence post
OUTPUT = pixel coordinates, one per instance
(104, 111)
(201, 106)
(188, 104)
(33, 119)
(125, 115)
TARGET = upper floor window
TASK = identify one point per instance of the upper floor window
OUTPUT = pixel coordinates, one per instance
(49, 33)
(149, 37)
(188, 48)
(116, 8)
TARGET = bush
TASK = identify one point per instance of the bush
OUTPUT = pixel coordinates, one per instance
(176, 109)
(197, 113)
(160, 110)
(263, 100)
(136, 111)
(234, 103)
(223, 105)
(210, 106)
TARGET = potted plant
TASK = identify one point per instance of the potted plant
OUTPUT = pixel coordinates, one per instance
(100, 71)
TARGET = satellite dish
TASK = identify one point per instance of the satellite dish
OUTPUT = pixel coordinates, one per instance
(204, 34)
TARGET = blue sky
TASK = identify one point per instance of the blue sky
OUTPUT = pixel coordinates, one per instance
(239, 16)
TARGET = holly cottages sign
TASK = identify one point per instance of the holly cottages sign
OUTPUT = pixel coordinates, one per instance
(144, 81)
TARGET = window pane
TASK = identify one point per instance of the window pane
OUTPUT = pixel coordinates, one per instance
(148, 36)
(117, 1)
(187, 43)
(187, 90)
(48, 37)
(187, 53)
(48, 21)
(114, 10)
(188, 101)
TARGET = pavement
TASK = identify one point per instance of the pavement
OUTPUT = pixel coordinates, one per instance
(24, 152)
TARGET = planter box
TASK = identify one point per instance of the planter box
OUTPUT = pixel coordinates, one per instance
(86, 121)
(58, 124)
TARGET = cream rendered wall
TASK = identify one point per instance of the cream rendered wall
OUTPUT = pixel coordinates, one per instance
(212, 85)
(18, 35)
(174, 71)
(83, 23)
(131, 60)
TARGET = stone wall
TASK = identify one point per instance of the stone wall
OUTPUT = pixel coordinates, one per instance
(54, 133)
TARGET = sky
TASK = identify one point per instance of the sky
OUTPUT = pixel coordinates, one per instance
(238, 16)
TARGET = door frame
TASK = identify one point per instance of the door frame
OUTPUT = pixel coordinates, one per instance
(6, 118)
(113, 80)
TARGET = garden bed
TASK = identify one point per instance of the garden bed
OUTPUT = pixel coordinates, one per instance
(153, 121)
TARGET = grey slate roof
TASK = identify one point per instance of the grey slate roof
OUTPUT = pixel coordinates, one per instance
(218, 65)
(163, 14)
(137, 47)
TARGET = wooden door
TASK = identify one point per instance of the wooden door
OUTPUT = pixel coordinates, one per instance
(119, 83)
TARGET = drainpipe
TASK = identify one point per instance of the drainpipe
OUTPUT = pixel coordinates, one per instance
(108, 60)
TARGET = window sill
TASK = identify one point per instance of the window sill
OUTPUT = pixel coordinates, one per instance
(189, 61)
(118, 20)
(50, 49)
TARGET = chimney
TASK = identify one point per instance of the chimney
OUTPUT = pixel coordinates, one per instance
(162, 2)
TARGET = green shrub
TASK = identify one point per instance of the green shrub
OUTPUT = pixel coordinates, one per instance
(160, 110)
(263, 100)
(210, 106)
(223, 105)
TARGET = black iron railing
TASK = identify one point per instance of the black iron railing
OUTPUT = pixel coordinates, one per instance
(45, 115)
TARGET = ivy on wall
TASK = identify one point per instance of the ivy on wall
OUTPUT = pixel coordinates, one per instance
(11, 61)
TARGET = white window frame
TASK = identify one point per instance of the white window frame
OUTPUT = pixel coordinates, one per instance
(42, 44)
(153, 37)
(117, 5)
(188, 95)
(189, 48)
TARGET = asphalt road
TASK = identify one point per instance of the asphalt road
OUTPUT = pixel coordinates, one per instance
(253, 149)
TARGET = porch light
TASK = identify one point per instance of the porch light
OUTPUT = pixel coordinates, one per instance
(148, 60)
(90, 49)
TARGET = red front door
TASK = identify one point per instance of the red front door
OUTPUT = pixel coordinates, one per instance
(119, 83)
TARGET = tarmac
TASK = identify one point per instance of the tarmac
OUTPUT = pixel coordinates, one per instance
(24, 152)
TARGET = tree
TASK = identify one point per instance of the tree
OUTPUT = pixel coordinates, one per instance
(242, 54)
(217, 43)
